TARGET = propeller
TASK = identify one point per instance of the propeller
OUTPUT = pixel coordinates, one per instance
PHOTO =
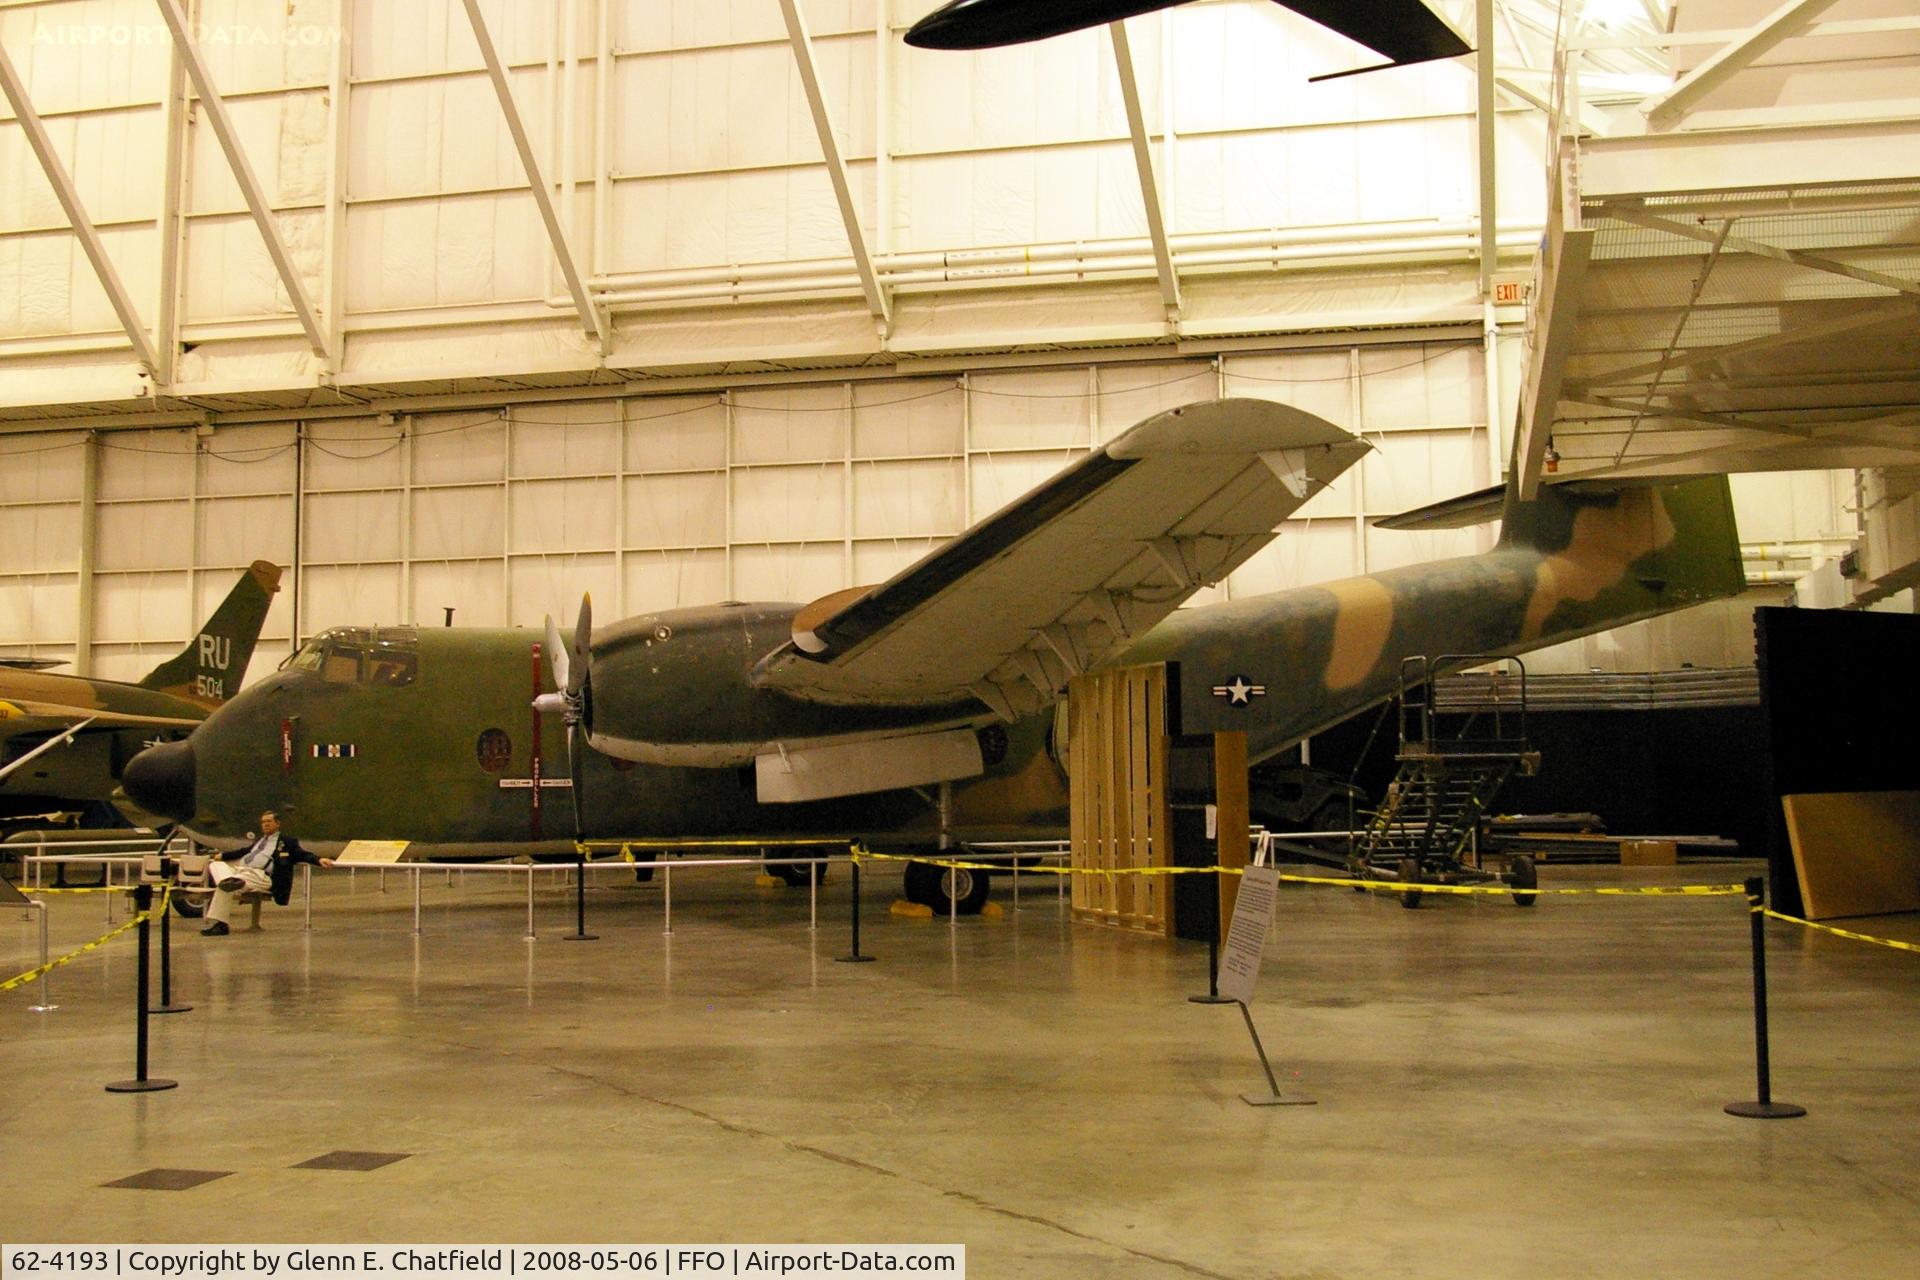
(573, 694)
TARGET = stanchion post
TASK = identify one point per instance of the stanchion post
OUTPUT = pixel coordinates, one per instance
(1213, 995)
(579, 933)
(855, 957)
(142, 902)
(529, 934)
(166, 1004)
(46, 1004)
(1763, 1107)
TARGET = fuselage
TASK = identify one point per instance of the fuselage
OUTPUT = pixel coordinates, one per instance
(437, 742)
(430, 735)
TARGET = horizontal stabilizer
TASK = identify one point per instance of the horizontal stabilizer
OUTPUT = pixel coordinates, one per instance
(1482, 505)
(1461, 512)
(34, 709)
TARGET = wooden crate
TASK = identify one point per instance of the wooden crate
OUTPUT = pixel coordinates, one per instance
(1120, 812)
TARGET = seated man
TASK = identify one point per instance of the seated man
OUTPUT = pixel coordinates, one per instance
(265, 868)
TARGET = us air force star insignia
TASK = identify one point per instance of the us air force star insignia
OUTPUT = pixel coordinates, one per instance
(1239, 691)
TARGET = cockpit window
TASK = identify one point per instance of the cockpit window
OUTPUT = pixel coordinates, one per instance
(388, 656)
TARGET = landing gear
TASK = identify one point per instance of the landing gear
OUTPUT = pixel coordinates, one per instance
(1410, 874)
(1522, 875)
(795, 873)
(945, 888)
(189, 906)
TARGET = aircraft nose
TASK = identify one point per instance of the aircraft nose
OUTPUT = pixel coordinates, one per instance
(160, 780)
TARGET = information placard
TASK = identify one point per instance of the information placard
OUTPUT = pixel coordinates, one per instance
(376, 853)
(1247, 936)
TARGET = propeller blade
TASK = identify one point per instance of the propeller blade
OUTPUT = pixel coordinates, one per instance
(557, 656)
(582, 639)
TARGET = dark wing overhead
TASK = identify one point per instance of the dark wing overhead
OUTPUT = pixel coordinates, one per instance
(1401, 30)
(1066, 577)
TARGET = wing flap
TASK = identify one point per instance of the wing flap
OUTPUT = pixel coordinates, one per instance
(1064, 578)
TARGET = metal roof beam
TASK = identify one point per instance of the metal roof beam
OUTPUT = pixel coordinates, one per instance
(1563, 266)
(591, 319)
(1737, 244)
(802, 45)
(1143, 162)
(62, 181)
(1789, 20)
(1864, 318)
(243, 174)
(1486, 143)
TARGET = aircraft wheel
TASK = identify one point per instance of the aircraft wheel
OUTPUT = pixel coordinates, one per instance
(1522, 874)
(1330, 816)
(795, 873)
(938, 887)
(190, 906)
(1410, 874)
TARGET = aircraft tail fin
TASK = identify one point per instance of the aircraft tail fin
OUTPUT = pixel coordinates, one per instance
(1612, 545)
(210, 668)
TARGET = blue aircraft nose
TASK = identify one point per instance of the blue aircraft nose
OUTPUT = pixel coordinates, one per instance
(161, 780)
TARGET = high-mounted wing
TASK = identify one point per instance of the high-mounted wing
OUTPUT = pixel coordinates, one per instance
(1064, 578)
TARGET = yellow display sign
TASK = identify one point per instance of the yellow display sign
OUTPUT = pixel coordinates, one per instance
(371, 852)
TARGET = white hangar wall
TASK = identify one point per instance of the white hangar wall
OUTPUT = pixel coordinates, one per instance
(768, 493)
(774, 493)
(677, 141)
(1325, 236)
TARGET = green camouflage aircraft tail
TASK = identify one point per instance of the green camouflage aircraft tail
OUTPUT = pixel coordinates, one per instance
(209, 670)
(1581, 557)
(1609, 549)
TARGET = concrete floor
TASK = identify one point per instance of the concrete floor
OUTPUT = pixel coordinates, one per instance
(1501, 1092)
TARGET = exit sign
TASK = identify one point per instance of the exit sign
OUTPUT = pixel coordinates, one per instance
(1509, 292)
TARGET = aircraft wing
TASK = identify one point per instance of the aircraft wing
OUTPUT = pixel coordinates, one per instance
(25, 715)
(1065, 577)
(1403, 30)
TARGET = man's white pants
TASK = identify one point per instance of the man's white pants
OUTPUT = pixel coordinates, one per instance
(256, 881)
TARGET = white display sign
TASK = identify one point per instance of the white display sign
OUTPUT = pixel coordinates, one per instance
(1247, 936)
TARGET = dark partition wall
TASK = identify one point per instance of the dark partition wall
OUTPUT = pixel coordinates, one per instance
(1839, 692)
(1673, 771)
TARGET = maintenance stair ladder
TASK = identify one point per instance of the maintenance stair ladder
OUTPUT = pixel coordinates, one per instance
(1455, 754)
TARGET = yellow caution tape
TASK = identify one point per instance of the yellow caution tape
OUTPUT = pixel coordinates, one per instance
(1390, 886)
(32, 974)
(1895, 943)
(1399, 886)
(1047, 869)
(98, 888)
(716, 842)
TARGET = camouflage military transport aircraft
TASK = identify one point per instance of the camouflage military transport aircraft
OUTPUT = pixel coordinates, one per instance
(854, 714)
(1402, 31)
(80, 732)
